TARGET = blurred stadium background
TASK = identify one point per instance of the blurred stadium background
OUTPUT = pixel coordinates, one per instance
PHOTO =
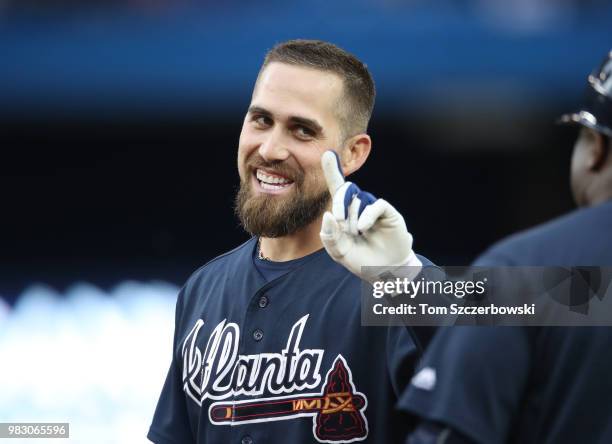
(119, 123)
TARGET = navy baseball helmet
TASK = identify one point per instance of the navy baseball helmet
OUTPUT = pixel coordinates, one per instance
(596, 111)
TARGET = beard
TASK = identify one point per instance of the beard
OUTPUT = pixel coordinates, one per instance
(269, 215)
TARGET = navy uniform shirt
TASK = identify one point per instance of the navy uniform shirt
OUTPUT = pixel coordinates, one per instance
(281, 361)
(526, 385)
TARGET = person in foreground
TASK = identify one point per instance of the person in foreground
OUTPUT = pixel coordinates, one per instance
(528, 384)
(268, 343)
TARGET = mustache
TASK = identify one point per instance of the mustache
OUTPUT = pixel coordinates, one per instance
(277, 166)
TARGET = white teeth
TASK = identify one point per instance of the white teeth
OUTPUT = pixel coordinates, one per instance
(269, 186)
(269, 180)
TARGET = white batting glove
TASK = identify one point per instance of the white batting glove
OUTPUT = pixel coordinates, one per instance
(364, 231)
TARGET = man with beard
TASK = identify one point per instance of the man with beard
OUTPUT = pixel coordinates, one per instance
(268, 342)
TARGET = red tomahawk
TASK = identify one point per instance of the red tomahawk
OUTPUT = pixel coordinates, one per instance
(337, 412)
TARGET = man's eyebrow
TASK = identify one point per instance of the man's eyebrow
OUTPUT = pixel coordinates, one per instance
(259, 110)
(310, 123)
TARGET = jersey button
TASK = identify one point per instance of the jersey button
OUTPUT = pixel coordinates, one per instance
(246, 440)
(263, 302)
(258, 335)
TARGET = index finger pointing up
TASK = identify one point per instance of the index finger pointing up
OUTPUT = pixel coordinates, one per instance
(332, 171)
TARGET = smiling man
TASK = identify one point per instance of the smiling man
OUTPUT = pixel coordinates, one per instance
(268, 342)
(290, 123)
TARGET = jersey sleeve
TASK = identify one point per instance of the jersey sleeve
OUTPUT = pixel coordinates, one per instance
(471, 379)
(170, 423)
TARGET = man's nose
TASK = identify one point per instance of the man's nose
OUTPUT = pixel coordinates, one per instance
(274, 147)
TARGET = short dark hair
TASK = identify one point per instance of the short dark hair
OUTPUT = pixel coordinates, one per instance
(359, 90)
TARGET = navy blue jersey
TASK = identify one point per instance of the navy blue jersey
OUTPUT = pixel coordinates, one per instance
(271, 270)
(281, 361)
(526, 385)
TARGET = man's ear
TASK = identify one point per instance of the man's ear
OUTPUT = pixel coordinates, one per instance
(598, 152)
(355, 152)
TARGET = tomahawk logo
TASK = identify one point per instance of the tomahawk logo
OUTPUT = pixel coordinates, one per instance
(220, 373)
(337, 411)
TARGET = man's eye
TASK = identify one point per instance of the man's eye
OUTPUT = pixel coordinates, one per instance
(262, 121)
(304, 132)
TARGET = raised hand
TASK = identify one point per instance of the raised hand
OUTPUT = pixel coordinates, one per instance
(362, 230)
